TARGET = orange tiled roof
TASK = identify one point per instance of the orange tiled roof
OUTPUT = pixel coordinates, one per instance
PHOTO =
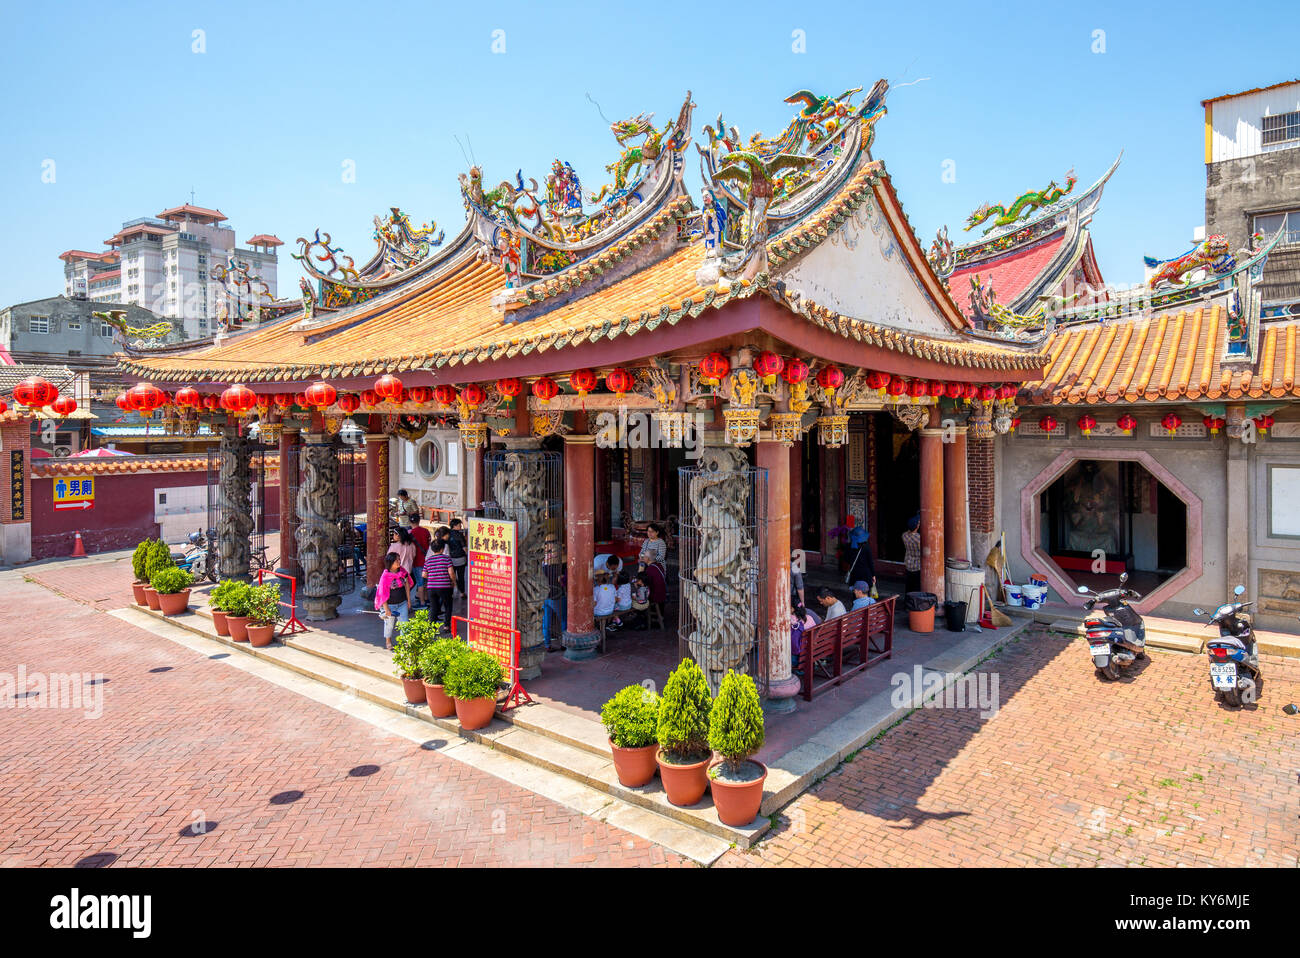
(265, 239)
(187, 208)
(451, 322)
(126, 465)
(1172, 357)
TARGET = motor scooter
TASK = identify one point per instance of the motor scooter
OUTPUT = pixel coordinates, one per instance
(1116, 634)
(1235, 675)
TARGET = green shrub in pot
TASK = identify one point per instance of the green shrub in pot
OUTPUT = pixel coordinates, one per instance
(139, 558)
(683, 729)
(436, 657)
(736, 722)
(171, 580)
(408, 643)
(263, 604)
(237, 599)
(159, 557)
(473, 675)
(220, 596)
(631, 717)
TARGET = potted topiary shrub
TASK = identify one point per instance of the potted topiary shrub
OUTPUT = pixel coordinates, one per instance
(631, 720)
(408, 643)
(473, 679)
(138, 559)
(236, 603)
(736, 733)
(218, 602)
(157, 558)
(263, 613)
(435, 659)
(683, 735)
(172, 585)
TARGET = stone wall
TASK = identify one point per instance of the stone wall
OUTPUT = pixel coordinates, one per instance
(1236, 189)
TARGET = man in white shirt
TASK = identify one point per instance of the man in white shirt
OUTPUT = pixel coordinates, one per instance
(833, 606)
(608, 563)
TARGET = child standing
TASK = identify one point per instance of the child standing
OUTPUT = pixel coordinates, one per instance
(392, 594)
(438, 582)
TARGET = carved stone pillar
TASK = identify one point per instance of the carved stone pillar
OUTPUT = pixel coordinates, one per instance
(932, 567)
(520, 491)
(235, 520)
(290, 450)
(318, 530)
(376, 506)
(782, 685)
(955, 505)
(580, 637)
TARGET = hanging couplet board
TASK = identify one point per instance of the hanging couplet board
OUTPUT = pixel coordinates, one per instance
(493, 577)
(17, 472)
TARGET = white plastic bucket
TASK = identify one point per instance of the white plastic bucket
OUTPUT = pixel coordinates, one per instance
(1032, 595)
(1014, 595)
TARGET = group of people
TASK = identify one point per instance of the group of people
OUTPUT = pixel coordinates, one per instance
(422, 570)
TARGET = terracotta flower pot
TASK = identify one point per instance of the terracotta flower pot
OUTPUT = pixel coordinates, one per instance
(151, 597)
(174, 603)
(441, 705)
(921, 621)
(138, 588)
(634, 766)
(219, 620)
(684, 784)
(260, 636)
(738, 802)
(414, 690)
(475, 713)
(238, 625)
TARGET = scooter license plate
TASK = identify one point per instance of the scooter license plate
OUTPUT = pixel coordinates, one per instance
(1224, 676)
(1102, 649)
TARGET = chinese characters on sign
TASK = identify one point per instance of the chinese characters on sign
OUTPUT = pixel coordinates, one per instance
(74, 493)
(492, 588)
(17, 505)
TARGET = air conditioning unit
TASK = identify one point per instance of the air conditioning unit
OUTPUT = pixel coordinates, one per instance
(62, 452)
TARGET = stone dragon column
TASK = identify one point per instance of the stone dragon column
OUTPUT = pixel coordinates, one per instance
(235, 520)
(318, 531)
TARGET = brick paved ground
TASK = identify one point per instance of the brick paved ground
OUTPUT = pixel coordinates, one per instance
(283, 780)
(1071, 771)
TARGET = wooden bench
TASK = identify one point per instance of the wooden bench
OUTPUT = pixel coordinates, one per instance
(842, 647)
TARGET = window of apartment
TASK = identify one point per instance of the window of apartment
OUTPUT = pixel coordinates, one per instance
(74, 324)
(38, 324)
(105, 330)
(1280, 128)
(1270, 223)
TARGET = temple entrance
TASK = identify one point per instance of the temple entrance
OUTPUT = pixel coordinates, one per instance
(1103, 517)
(897, 477)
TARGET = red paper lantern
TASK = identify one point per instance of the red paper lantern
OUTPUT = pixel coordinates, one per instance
(349, 403)
(238, 399)
(445, 394)
(935, 389)
(969, 391)
(122, 403)
(1126, 424)
(320, 395)
(713, 367)
(369, 397)
(1263, 424)
(877, 381)
(4, 407)
(987, 393)
(620, 380)
(263, 402)
(545, 389)
(768, 365)
(473, 395)
(510, 387)
(387, 386)
(952, 390)
(1014, 423)
(1086, 424)
(1048, 424)
(795, 372)
(283, 400)
(1171, 422)
(897, 386)
(211, 402)
(830, 378)
(916, 389)
(583, 381)
(421, 394)
(64, 405)
(144, 398)
(1214, 424)
(35, 392)
(188, 397)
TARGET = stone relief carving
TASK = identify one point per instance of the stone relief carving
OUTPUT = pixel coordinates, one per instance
(235, 523)
(318, 531)
(520, 491)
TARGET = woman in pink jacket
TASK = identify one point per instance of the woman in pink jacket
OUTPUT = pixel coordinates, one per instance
(393, 595)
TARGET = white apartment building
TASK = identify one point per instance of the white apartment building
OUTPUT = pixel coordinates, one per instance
(164, 264)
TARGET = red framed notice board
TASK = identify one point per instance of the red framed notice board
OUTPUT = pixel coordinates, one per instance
(492, 594)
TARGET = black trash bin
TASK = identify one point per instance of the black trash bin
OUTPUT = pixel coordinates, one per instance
(955, 613)
(919, 601)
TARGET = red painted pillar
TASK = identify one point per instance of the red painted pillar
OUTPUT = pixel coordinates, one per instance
(376, 506)
(955, 507)
(932, 507)
(782, 686)
(290, 447)
(796, 495)
(580, 637)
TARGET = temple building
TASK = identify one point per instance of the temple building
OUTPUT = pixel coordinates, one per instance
(764, 366)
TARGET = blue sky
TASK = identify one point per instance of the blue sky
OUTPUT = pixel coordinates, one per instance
(261, 123)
